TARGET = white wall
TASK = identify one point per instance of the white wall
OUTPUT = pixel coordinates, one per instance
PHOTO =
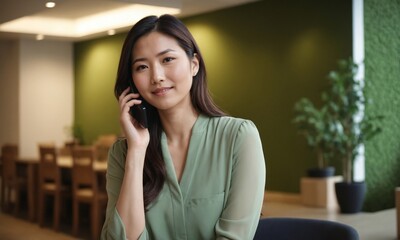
(9, 94)
(46, 99)
(358, 56)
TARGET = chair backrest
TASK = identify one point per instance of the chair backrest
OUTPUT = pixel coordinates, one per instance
(66, 150)
(9, 154)
(49, 171)
(83, 174)
(303, 229)
(103, 144)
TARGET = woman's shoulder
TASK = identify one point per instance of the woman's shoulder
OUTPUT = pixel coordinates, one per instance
(118, 149)
(116, 162)
(119, 145)
(233, 125)
(232, 122)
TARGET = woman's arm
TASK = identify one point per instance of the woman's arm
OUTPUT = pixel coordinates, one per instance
(241, 214)
(130, 203)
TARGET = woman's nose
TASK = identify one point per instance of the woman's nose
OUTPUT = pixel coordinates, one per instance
(157, 74)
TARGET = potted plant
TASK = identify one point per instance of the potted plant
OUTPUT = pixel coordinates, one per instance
(74, 134)
(316, 126)
(345, 101)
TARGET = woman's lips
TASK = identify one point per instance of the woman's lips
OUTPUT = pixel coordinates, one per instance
(161, 91)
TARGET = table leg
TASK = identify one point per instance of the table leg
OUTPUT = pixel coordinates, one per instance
(31, 211)
(32, 191)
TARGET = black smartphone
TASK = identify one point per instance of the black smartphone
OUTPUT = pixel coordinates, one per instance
(138, 112)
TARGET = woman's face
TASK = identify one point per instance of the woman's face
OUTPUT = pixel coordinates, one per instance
(162, 72)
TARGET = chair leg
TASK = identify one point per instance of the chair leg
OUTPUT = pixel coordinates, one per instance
(95, 220)
(8, 199)
(56, 217)
(42, 198)
(4, 197)
(16, 203)
(75, 217)
(3, 192)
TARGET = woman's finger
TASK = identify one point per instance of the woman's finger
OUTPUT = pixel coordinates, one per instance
(129, 104)
(126, 97)
(123, 94)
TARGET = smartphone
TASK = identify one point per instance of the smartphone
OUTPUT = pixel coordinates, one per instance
(138, 112)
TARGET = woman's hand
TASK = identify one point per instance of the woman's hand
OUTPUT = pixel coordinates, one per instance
(137, 137)
(130, 203)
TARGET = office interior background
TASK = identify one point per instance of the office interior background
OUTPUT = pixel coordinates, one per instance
(261, 58)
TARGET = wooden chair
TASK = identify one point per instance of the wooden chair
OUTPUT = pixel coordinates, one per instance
(102, 145)
(50, 184)
(86, 189)
(11, 181)
(66, 150)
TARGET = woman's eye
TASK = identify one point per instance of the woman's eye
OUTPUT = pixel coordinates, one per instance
(140, 67)
(168, 59)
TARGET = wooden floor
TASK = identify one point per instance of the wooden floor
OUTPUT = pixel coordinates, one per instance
(379, 225)
(12, 228)
(370, 226)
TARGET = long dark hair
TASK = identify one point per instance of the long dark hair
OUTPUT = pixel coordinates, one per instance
(154, 167)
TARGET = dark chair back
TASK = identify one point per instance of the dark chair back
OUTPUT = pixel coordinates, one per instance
(10, 181)
(86, 189)
(51, 184)
(83, 174)
(303, 229)
(9, 154)
(49, 172)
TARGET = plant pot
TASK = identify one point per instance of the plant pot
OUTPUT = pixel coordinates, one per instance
(321, 172)
(350, 196)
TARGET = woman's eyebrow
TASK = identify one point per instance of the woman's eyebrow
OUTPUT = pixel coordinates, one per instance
(158, 54)
(165, 51)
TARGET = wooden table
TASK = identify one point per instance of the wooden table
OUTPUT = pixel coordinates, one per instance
(31, 165)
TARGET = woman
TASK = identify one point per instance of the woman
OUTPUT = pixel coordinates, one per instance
(194, 173)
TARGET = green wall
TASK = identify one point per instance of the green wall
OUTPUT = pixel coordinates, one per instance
(260, 57)
(263, 57)
(96, 109)
(382, 76)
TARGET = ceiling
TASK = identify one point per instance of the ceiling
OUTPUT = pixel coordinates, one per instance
(73, 10)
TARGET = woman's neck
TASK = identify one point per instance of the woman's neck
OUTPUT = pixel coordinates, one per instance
(178, 124)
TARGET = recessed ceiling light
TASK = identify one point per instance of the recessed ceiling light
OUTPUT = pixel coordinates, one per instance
(50, 4)
(111, 32)
(85, 26)
(39, 37)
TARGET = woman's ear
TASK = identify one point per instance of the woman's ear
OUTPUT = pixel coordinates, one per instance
(195, 65)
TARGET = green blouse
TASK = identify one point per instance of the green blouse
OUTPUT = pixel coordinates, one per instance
(221, 191)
